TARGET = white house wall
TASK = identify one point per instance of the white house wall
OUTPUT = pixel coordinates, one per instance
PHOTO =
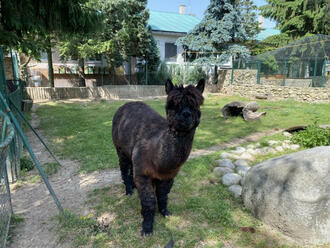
(162, 38)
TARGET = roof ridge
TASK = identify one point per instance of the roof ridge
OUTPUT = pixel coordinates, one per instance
(174, 13)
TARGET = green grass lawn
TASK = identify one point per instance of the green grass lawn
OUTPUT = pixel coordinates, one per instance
(83, 132)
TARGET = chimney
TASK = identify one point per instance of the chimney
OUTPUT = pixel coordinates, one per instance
(261, 21)
(182, 9)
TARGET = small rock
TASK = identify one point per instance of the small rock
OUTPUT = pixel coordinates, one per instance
(294, 147)
(226, 163)
(287, 141)
(279, 148)
(286, 146)
(220, 171)
(242, 170)
(239, 150)
(252, 151)
(225, 155)
(257, 144)
(273, 142)
(271, 150)
(246, 156)
(251, 146)
(236, 189)
(241, 162)
(287, 134)
(231, 178)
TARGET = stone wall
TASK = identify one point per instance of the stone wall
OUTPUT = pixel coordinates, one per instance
(309, 94)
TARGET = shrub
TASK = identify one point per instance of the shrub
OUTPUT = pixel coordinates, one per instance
(26, 164)
(313, 136)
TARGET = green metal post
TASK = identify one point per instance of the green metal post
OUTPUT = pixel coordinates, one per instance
(34, 131)
(3, 86)
(3, 136)
(14, 64)
(315, 68)
(323, 72)
(34, 158)
(284, 73)
(259, 71)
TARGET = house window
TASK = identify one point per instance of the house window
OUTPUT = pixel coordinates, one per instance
(170, 52)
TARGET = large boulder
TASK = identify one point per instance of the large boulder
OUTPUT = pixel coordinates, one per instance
(292, 193)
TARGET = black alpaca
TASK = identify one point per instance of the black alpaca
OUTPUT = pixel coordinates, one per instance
(151, 149)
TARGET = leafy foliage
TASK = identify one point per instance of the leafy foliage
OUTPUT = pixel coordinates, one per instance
(26, 164)
(297, 18)
(125, 35)
(24, 24)
(220, 31)
(313, 136)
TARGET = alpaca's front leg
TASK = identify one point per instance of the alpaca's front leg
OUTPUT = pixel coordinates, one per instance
(163, 188)
(148, 203)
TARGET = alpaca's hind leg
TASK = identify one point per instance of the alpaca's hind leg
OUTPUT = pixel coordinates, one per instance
(126, 172)
(148, 203)
(163, 188)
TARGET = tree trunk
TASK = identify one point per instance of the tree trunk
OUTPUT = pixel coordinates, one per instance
(50, 64)
(81, 72)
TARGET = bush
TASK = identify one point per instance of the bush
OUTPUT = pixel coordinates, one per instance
(313, 136)
(26, 164)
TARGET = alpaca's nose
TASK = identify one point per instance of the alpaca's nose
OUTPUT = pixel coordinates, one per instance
(186, 113)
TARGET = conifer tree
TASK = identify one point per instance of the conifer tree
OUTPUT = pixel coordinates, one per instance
(219, 35)
(297, 18)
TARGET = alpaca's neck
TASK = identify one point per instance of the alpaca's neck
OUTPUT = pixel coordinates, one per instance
(182, 142)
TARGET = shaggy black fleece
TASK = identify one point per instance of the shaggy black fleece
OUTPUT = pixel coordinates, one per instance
(152, 149)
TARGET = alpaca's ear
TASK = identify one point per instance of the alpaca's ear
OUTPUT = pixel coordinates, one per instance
(201, 84)
(168, 86)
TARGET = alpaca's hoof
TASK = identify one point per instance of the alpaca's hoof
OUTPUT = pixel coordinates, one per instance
(165, 212)
(129, 192)
(146, 232)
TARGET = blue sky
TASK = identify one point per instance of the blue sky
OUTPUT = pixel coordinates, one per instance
(196, 7)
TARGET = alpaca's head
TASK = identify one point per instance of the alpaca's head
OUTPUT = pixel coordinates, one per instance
(183, 105)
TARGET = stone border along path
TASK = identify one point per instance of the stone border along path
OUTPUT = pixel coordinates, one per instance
(233, 143)
(232, 173)
(33, 202)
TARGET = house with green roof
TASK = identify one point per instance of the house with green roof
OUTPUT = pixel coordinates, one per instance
(167, 27)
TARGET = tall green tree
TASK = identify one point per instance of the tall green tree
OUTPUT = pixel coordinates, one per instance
(125, 34)
(30, 25)
(249, 16)
(219, 35)
(296, 18)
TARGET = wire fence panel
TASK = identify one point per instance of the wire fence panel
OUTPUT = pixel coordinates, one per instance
(16, 147)
(7, 132)
(300, 64)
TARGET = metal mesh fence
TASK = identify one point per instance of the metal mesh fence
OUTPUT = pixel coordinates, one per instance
(16, 147)
(7, 133)
(304, 63)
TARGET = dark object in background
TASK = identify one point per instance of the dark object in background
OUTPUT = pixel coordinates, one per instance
(11, 85)
(152, 149)
(170, 243)
(247, 111)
